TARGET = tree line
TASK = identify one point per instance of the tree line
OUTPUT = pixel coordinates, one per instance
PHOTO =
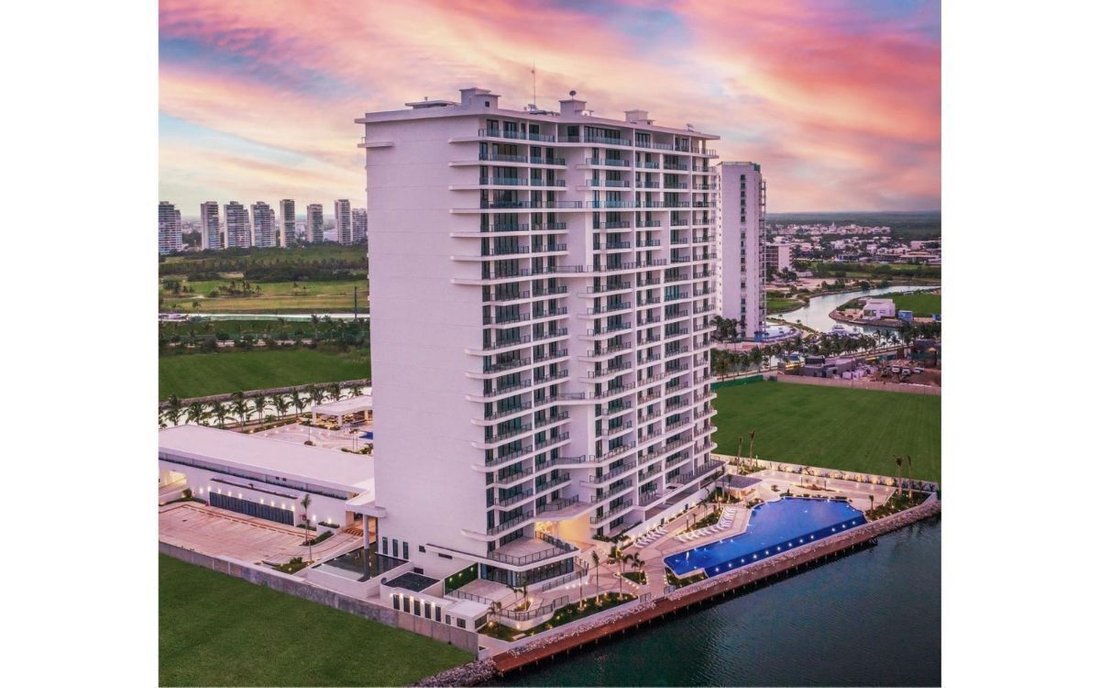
(243, 407)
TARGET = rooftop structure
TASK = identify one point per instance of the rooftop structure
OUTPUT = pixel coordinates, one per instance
(342, 213)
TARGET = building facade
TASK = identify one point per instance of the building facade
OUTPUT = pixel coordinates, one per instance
(359, 226)
(777, 258)
(210, 226)
(169, 228)
(263, 225)
(542, 303)
(288, 234)
(741, 195)
(342, 213)
(315, 223)
(238, 230)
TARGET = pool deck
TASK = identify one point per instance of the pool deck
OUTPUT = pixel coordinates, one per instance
(646, 611)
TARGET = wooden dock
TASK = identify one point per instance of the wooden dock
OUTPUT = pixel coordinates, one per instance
(714, 589)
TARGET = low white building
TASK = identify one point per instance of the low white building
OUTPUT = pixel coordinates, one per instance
(879, 308)
(263, 477)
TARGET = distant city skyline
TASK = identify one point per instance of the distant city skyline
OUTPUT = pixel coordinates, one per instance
(839, 101)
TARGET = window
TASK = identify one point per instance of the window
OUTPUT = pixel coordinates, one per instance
(385, 545)
(405, 550)
(396, 603)
(437, 613)
(416, 607)
(405, 604)
(448, 622)
(420, 548)
(462, 623)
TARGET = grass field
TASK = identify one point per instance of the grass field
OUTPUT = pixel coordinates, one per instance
(221, 631)
(922, 305)
(275, 297)
(195, 375)
(240, 259)
(854, 429)
(778, 304)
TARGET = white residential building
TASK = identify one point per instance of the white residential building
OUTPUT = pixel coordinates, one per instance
(238, 231)
(541, 304)
(210, 226)
(741, 206)
(288, 228)
(777, 257)
(359, 226)
(170, 229)
(343, 221)
(315, 223)
(263, 225)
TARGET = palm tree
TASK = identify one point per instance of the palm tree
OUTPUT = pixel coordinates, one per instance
(259, 403)
(174, 409)
(872, 502)
(910, 460)
(752, 443)
(280, 404)
(297, 400)
(196, 412)
(356, 390)
(596, 566)
(316, 394)
(897, 460)
(334, 391)
(220, 411)
(616, 557)
(306, 501)
(240, 407)
(636, 562)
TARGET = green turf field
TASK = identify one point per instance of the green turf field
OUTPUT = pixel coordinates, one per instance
(216, 630)
(196, 375)
(922, 305)
(854, 429)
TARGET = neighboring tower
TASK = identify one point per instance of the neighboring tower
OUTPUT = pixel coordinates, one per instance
(315, 223)
(343, 221)
(170, 229)
(238, 233)
(263, 225)
(541, 318)
(359, 226)
(741, 204)
(210, 226)
(286, 214)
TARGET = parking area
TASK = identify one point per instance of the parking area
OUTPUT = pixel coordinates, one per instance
(225, 534)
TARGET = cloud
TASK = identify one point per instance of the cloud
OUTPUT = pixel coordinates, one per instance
(839, 101)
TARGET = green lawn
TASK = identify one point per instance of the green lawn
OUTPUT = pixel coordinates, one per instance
(216, 630)
(922, 305)
(778, 304)
(274, 297)
(196, 375)
(854, 429)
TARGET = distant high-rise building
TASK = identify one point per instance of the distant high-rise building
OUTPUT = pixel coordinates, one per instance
(286, 214)
(343, 221)
(238, 233)
(740, 279)
(315, 223)
(170, 228)
(209, 225)
(359, 226)
(263, 225)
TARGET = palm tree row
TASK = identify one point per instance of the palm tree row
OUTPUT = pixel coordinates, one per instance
(246, 406)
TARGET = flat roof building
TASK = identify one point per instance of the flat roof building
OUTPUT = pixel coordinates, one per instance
(245, 473)
(210, 226)
(286, 215)
(263, 225)
(315, 223)
(740, 271)
(541, 302)
(342, 213)
(238, 231)
(169, 229)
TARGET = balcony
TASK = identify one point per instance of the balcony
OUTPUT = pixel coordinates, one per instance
(613, 511)
(548, 161)
(523, 551)
(594, 479)
(512, 523)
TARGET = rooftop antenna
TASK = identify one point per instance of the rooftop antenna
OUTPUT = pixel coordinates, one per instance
(534, 90)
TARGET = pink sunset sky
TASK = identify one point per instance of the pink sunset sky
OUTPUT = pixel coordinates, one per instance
(839, 101)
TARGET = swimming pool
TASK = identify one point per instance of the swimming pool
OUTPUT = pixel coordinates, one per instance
(773, 527)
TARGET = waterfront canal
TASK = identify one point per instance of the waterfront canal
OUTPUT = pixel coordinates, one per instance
(870, 618)
(816, 314)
